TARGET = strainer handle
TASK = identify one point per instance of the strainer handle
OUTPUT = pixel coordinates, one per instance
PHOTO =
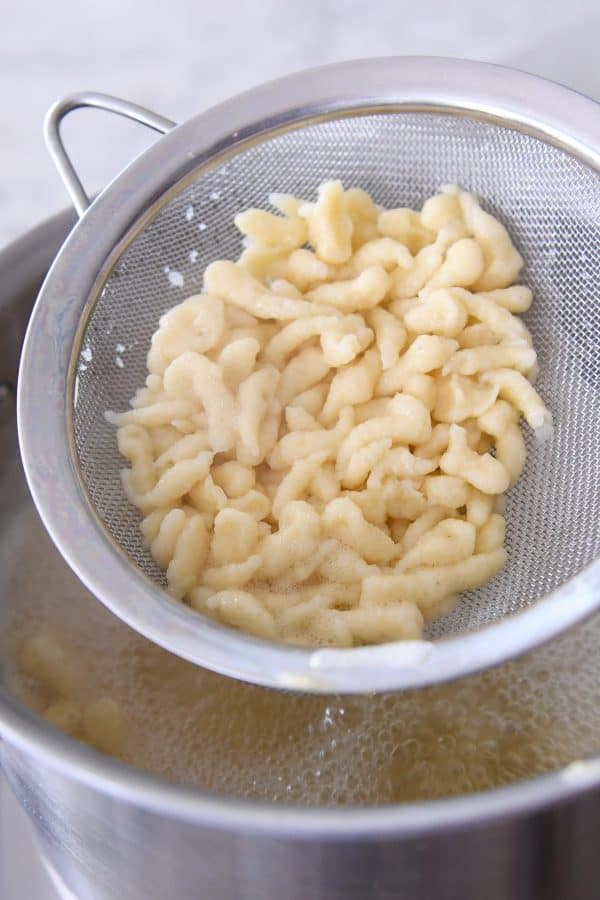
(55, 144)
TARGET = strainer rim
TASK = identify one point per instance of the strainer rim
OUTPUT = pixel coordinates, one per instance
(46, 440)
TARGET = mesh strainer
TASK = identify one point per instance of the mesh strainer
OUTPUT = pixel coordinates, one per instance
(399, 128)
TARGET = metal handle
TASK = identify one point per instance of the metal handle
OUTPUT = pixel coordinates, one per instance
(55, 144)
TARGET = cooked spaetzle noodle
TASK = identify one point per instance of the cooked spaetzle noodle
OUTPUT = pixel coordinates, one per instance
(312, 449)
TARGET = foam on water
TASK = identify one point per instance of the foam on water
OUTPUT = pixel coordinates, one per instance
(193, 726)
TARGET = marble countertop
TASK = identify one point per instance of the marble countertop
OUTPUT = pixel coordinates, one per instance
(201, 54)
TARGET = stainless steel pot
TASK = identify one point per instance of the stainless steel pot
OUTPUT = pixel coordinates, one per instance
(112, 832)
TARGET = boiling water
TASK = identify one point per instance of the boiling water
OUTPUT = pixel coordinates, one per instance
(192, 726)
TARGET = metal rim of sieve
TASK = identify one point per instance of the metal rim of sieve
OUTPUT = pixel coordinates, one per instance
(489, 93)
(49, 748)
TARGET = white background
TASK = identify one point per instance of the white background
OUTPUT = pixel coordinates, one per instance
(181, 56)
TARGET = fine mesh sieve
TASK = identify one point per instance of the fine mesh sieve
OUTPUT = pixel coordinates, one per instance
(400, 129)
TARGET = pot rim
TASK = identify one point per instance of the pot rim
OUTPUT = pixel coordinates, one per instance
(27, 732)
